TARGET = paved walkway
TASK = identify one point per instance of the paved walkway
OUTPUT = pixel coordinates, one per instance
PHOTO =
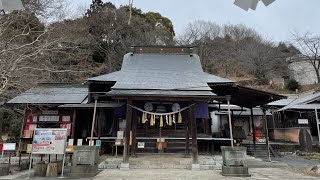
(177, 174)
(174, 167)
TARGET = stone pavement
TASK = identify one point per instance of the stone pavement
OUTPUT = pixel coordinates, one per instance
(175, 166)
(177, 174)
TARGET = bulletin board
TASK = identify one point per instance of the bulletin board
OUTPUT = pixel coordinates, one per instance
(49, 141)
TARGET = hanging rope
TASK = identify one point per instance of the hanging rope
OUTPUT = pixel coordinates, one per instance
(161, 114)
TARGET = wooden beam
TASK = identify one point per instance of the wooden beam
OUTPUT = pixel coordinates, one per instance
(267, 133)
(195, 159)
(253, 132)
(127, 133)
(166, 98)
(73, 123)
(187, 132)
(318, 123)
(134, 132)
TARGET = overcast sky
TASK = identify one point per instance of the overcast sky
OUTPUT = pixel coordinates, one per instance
(275, 22)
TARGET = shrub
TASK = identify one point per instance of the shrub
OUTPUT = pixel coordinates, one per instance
(292, 85)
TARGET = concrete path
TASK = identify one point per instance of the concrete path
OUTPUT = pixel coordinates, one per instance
(297, 162)
(177, 174)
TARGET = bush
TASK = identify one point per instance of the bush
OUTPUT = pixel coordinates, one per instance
(293, 85)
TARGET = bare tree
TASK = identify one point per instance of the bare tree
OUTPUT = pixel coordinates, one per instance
(309, 46)
(259, 58)
(49, 10)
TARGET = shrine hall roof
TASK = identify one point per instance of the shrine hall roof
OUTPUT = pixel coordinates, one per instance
(52, 94)
(161, 72)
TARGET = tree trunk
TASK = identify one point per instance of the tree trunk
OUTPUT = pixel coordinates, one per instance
(1, 125)
(318, 76)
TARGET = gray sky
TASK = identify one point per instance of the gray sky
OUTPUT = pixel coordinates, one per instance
(275, 22)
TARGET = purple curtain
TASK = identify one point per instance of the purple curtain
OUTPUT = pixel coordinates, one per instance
(120, 112)
(202, 110)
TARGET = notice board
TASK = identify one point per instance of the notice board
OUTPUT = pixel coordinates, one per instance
(49, 141)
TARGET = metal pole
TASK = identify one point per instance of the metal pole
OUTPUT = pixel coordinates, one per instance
(93, 119)
(229, 115)
(63, 161)
(316, 111)
(30, 166)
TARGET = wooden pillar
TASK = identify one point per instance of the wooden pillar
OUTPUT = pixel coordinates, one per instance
(317, 121)
(195, 159)
(187, 152)
(134, 132)
(253, 131)
(73, 124)
(127, 133)
(21, 132)
(267, 133)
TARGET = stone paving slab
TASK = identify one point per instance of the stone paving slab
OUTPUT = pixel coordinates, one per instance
(179, 174)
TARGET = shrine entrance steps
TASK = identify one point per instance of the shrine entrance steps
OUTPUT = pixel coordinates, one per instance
(163, 161)
(173, 146)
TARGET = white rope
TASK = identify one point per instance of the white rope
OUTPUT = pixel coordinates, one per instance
(161, 114)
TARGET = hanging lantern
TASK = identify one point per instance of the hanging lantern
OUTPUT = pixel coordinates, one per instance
(179, 118)
(161, 121)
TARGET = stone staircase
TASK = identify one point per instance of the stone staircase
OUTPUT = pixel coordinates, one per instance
(163, 161)
(261, 150)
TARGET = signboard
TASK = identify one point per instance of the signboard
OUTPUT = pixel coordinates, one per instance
(9, 147)
(50, 112)
(140, 145)
(120, 134)
(302, 121)
(70, 142)
(98, 143)
(79, 142)
(48, 118)
(66, 118)
(49, 141)
(29, 148)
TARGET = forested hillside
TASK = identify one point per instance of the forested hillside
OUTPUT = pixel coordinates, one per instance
(71, 50)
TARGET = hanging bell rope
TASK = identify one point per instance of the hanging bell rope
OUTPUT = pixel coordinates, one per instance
(161, 114)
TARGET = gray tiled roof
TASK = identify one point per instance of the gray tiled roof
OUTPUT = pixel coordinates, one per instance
(281, 102)
(161, 71)
(91, 105)
(52, 94)
(107, 77)
(303, 100)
